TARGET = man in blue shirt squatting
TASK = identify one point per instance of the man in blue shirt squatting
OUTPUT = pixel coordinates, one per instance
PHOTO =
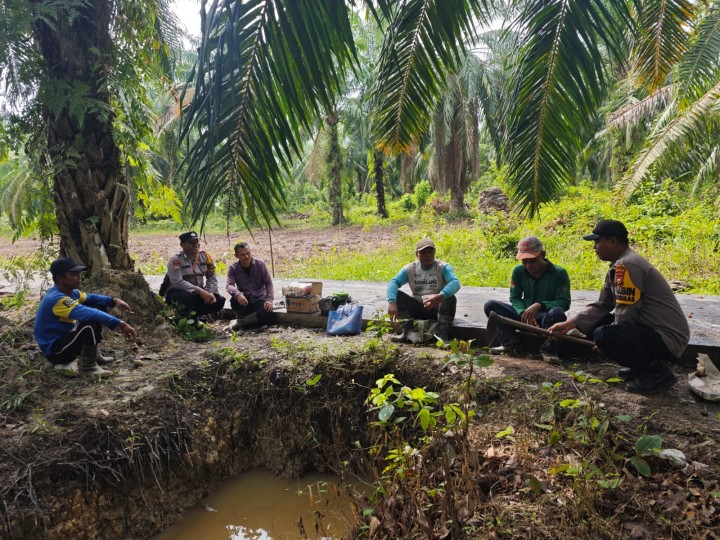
(69, 322)
(539, 296)
(433, 285)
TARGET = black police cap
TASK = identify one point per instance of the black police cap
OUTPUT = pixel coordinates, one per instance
(65, 264)
(608, 227)
(188, 236)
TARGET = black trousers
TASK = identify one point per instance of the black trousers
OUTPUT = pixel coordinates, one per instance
(68, 347)
(508, 336)
(408, 305)
(256, 306)
(185, 303)
(631, 345)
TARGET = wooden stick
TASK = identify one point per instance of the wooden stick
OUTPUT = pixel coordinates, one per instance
(499, 319)
(272, 256)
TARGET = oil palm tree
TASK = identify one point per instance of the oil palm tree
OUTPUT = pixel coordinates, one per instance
(268, 68)
(73, 71)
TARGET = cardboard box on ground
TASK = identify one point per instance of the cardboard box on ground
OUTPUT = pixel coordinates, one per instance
(303, 297)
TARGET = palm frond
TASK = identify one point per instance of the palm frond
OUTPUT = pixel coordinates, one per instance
(700, 67)
(559, 84)
(18, 53)
(422, 45)
(266, 68)
(680, 126)
(708, 170)
(642, 109)
(662, 40)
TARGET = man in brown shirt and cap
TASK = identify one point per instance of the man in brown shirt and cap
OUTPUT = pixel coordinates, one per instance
(636, 321)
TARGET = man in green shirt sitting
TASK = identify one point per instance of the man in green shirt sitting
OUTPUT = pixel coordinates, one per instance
(539, 295)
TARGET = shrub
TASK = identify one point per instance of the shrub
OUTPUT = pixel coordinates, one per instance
(439, 206)
(423, 191)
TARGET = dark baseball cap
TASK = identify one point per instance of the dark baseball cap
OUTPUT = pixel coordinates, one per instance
(188, 236)
(608, 227)
(424, 244)
(65, 264)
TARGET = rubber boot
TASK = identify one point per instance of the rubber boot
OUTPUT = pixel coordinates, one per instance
(68, 370)
(244, 322)
(104, 360)
(442, 332)
(88, 363)
(402, 335)
(549, 352)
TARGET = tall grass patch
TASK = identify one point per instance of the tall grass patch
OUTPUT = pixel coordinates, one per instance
(683, 244)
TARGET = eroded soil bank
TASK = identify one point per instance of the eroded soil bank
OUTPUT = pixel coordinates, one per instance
(548, 454)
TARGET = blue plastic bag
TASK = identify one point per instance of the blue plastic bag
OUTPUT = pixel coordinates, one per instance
(346, 320)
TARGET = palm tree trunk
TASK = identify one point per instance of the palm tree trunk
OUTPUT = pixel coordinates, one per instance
(89, 190)
(379, 173)
(407, 170)
(334, 164)
(450, 166)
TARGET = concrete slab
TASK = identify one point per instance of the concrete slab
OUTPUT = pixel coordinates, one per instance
(703, 311)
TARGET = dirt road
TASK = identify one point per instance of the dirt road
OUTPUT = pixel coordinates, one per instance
(289, 246)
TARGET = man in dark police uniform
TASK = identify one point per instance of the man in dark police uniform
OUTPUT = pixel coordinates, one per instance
(193, 284)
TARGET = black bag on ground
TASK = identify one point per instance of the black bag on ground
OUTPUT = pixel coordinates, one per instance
(330, 303)
(164, 286)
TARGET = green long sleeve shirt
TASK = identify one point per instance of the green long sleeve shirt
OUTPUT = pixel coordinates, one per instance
(551, 290)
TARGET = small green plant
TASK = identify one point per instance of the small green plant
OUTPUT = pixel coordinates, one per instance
(584, 378)
(41, 425)
(191, 329)
(507, 433)
(461, 356)
(380, 324)
(20, 271)
(386, 400)
(646, 445)
(239, 359)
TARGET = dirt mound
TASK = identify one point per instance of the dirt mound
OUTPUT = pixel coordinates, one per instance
(493, 199)
(130, 287)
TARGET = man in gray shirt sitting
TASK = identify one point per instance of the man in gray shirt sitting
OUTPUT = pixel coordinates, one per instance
(251, 290)
(647, 328)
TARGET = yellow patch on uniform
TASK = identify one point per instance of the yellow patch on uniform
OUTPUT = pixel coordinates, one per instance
(209, 264)
(63, 307)
(625, 290)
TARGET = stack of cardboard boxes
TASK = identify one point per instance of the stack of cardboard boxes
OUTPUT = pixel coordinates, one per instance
(303, 297)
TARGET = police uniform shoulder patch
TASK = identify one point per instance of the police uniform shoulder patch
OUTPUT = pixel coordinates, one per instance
(176, 264)
(625, 290)
(208, 258)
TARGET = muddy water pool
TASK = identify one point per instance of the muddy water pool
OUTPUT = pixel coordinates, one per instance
(259, 506)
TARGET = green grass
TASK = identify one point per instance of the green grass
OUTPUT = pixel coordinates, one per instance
(683, 246)
(683, 243)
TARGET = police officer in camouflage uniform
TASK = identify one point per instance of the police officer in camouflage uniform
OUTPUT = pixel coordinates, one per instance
(193, 284)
